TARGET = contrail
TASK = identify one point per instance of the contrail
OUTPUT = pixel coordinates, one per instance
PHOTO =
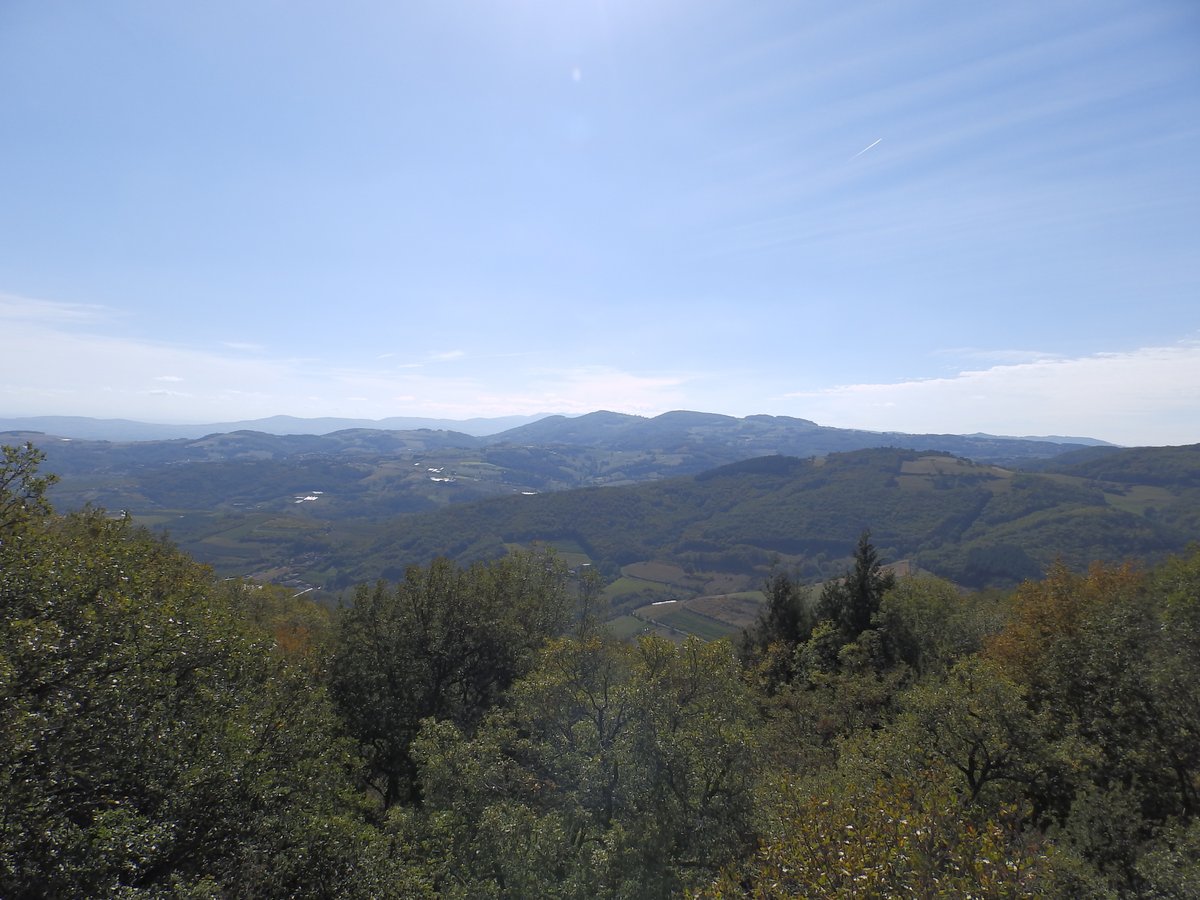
(866, 148)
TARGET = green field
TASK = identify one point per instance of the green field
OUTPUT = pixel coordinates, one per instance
(737, 610)
(626, 587)
(694, 623)
(1140, 497)
(666, 573)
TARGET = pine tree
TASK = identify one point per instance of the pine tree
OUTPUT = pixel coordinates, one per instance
(851, 602)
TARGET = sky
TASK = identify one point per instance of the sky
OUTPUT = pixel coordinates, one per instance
(930, 216)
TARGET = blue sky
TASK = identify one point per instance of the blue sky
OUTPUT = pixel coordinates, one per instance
(922, 216)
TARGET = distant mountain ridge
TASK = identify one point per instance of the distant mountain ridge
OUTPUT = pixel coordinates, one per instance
(85, 428)
(758, 435)
(591, 429)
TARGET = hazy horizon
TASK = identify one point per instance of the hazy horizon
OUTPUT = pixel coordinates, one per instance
(479, 426)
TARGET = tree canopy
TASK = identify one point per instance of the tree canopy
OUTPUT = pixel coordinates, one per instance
(470, 732)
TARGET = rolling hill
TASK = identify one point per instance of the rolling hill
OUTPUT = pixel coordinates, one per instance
(715, 498)
(973, 523)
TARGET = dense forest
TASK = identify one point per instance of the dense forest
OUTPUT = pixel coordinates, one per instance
(476, 730)
(688, 490)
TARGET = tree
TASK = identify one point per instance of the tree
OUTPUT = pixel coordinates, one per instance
(853, 835)
(150, 741)
(851, 602)
(612, 771)
(22, 489)
(768, 647)
(927, 624)
(1108, 663)
(786, 619)
(445, 643)
(976, 722)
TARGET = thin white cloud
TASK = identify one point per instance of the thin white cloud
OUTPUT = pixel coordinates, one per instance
(51, 312)
(51, 368)
(1146, 396)
(997, 356)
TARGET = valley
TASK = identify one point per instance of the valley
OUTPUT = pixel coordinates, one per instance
(689, 508)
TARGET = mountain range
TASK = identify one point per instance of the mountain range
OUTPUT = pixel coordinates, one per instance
(85, 428)
(712, 501)
(556, 427)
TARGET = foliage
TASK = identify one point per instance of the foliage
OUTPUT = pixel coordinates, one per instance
(149, 741)
(1139, 465)
(446, 642)
(22, 489)
(927, 624)
(615, 771)
(163, 734)
(907, 835)
(851, 602)
(1109, 662)
(977, 725)
(770, 644)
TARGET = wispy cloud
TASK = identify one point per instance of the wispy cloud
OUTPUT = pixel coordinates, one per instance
(1145, 396)
(51, 312)
(996, 356)
(54, 367)
(53, 364)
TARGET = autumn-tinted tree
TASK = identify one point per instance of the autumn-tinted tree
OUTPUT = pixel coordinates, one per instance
(1108, 662)
(859, 834)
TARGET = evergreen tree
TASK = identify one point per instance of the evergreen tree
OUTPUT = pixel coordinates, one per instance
(786, 619)
(851, 602)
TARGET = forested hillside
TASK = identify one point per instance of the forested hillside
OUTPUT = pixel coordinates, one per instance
(329, 511)
(477, 732)
(977, 525)
(239, 469)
